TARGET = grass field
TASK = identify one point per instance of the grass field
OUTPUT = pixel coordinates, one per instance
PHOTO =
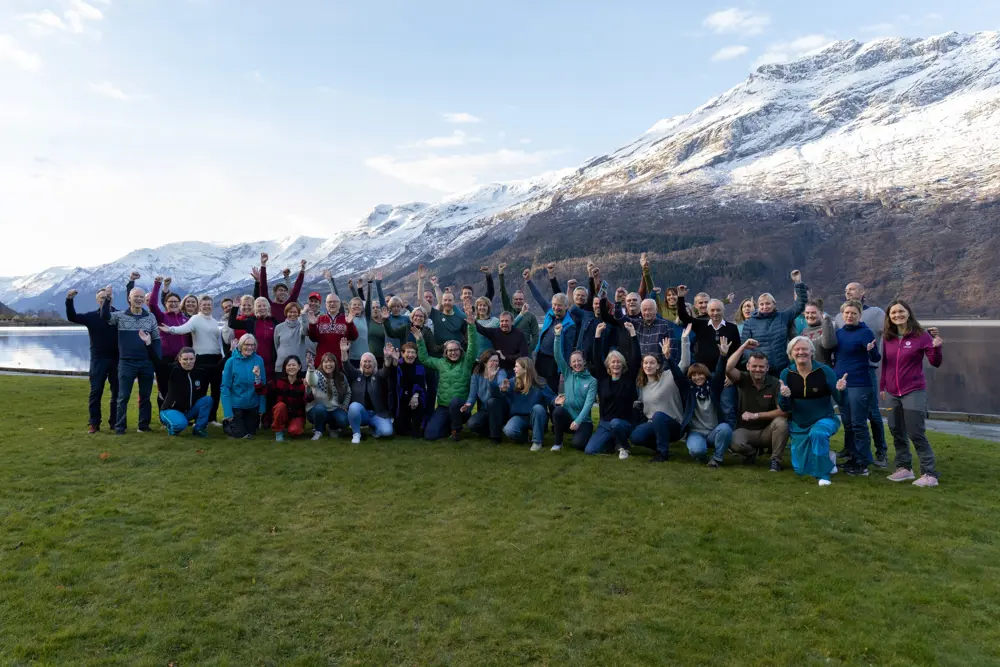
(203, 552)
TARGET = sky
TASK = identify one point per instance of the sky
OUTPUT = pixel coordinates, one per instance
(133, 123)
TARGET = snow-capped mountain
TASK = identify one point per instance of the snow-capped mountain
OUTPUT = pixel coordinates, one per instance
(892, 124)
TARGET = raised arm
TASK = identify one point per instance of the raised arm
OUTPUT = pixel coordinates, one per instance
(378, 289)
(535, 294)
(71, 308)
(488, 272)
(504, 297)
(561, 362)
(801, 297)
(297, 287)
(732, 372)
(683, 314)
(263, 277)
(154, 300)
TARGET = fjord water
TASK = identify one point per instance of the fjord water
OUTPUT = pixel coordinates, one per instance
(966, 382)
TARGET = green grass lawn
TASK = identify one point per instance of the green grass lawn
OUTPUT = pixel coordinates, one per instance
(197, 552)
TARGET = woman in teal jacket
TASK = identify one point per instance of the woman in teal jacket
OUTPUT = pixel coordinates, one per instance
(573, 407)
(244, 385)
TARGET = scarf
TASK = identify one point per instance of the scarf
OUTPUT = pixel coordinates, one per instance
(703, 392)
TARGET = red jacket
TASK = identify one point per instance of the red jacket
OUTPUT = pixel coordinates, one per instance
(903, 363)
(328, 332)
(295, 396)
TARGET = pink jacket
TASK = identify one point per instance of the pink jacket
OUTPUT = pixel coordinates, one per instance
(171, 343)
(903, 363)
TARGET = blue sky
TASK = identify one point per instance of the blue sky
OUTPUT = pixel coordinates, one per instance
(133, 123)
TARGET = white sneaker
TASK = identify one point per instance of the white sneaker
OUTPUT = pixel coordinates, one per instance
(317, 435)
(622, 454)
(356, 439)
(556, 448)
(536, 446)
(216, 424)
(834, 471)
(825, 482)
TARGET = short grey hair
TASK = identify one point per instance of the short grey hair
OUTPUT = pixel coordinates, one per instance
(798, 339)
(561, 299)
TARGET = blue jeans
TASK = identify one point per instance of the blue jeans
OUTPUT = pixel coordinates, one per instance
(854, 410)
(357, 417)
(517, 426)
(616, 429)
(657, 433)
(176, 421)
(129, 371)
(321, 417)
(729, 402)
(445, 419)
(101, 370)
(875, 416)
(719, 437)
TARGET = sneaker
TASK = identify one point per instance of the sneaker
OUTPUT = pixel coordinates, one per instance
(356, 439)
(199, 433)
(536, 446)
(279, 436)
(926, 481)
(834, 471)
(248, 436)
(775, 465)
(825, 482)
(843, 454)
(714, 463)
(856, 470)
(901, 475)
(93, 429)
(659, 458)
(454, 436)
(215, 423)
(144, 430)
(622, 454)
(556, 448)
(881, 461)
(317, 435)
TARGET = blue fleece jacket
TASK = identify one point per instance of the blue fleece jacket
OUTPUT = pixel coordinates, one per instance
(852, 356)
(546, 338)
(481, 389)
(521, 404)
(239, 386)
(103, 339)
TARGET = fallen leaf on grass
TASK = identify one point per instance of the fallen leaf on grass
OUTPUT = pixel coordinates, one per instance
(199, 451)
(104, 456)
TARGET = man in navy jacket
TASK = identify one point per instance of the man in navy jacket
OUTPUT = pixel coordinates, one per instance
(103, 358)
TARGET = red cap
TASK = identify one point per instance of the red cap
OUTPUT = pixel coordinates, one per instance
(315, 295)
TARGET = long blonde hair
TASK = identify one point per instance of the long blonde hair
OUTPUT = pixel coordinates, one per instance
(523, 384)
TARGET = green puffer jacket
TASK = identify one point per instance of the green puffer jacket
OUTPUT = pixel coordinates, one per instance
(453, 380)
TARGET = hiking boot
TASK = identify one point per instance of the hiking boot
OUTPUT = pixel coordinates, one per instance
(622, 454)
(926, 481)
(93, 429)
(536, 446)
(775, 465)
(659, 458)
(881, 460)
(901, 475)
(714, 463)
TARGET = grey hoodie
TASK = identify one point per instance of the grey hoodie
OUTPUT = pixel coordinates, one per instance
(824, 339)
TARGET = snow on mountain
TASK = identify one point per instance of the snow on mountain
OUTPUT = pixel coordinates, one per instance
(891, 122)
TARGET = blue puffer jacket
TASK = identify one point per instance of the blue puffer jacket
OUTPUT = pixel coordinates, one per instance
(772, 330)
(238, 387)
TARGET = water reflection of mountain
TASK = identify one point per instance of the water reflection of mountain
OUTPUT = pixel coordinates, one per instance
(966, 382)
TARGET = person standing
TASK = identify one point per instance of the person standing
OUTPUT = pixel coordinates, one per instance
(103, 359)
(328, 329)
(769, 326)
(820, 330)
(545, 360)
(524, 320)
(856, 347)
(133, 359)
(281, 294)
(206, 339)
(906, 345)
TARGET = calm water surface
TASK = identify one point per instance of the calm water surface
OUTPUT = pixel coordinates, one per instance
(967, 382)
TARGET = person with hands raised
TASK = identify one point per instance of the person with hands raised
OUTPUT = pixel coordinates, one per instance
(808, 391)
(662, 402)
(330, 328)
(454, 376)
(244, 389)
(557, 312)
(331, 395)
(369, 393)
(133, 358)
(184, 395)
(103, 358)
(281, 294)
(856, 349)
(485, 395)
(412, 392)
(573, 406)
(524, 320)
(761, 422)
(170, 342)
(449, 321)
(617, 393)
(770, 327)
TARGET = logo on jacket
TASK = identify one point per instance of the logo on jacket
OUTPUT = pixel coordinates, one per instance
(908, 343)
(197, 384)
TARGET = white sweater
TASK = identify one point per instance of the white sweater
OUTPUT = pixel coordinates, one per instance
(206, 333)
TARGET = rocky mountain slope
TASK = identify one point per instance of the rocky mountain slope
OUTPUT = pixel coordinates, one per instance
(861, 161)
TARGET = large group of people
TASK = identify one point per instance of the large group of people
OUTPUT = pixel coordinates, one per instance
(659, 370)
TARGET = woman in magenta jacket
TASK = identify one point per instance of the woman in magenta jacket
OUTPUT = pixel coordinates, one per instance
(905, 390)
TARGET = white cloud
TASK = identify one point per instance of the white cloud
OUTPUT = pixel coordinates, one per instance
(461, 117)
(740, 21)
(453, 173)
(73, 19)
(108, 89)
(781, 52)
(11, 52)
(456, 138)
(730, 52)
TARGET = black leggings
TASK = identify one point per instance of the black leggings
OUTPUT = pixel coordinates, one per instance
(561, 419)
(243, 423)
(162, 377)
(212, 363)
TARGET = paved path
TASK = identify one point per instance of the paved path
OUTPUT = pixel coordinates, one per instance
(968, 429)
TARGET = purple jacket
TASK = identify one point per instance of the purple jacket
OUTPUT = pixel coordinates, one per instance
(903, 362)
(170, 343)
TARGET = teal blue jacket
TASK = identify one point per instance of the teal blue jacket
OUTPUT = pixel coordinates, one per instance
(240, 389)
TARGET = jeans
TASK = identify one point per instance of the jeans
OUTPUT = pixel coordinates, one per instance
(729, 402)
(130, 370)
(561, 420)
(102, 369)
(658, 433)
(719, 437)
(490, 419)
(616, 429)
(517, 426)
(245, 422)
(357, 417)
(854, 411)
(446, 419)
(176, 421)
(875, 415)
(906, 423)
(321, 418)
(280, 421)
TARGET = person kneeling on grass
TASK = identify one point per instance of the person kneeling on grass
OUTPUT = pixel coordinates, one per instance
(704, 403)
(761, 422)
(617, 391)
(289, 394)
(369, 406)
(484, 393)
(572, 411)
(331, 395)
(184, 398)
(529, 397)
(661, 396)
(244, 390)
(454, 375)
